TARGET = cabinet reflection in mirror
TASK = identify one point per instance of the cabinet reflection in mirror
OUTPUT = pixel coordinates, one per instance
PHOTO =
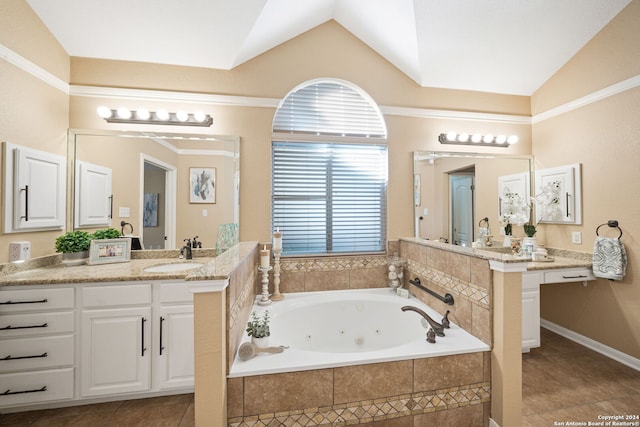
(455, 191)
(143, 179)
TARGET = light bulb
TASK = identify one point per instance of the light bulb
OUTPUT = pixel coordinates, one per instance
(451, 136)
(182, 116)
(143, 114)
(476, 138)
(487, 139)
(199, 116)
(463, 137)
(501, 139)
(162, 114)
(123, 113)
(513, 139)
(104, 112)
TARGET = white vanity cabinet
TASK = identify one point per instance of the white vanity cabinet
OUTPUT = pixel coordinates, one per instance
(531, 282)
(175, 354)
(115, 339)
(34, 189)
(36, 345)
(568, 180)
(136, 338)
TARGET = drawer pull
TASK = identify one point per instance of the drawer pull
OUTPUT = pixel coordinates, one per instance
(37, 356)
(580, 276)
(6, 328)
(42, 301)
(9, 392)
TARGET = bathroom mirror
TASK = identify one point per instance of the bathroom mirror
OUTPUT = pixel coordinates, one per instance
(164, 187)
(454, 191)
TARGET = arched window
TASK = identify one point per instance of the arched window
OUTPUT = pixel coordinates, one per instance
(329, 165)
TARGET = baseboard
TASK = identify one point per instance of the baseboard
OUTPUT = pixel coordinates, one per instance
(605, 350)
(492, 423)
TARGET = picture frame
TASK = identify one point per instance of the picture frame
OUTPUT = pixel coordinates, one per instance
(109, 251)
(202, 185)
(150, 218)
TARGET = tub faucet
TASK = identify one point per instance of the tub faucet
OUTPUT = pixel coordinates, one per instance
(437, 327)
(186, 250)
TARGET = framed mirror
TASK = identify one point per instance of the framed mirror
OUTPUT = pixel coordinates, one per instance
(455, 191)
(163, 188)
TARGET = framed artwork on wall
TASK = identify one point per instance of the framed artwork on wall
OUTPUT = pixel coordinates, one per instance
(202, 185)
(150, 218)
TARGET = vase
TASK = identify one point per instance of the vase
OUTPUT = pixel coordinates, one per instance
(530, 245)
(261, 342)
(71, 259)
(516, 246)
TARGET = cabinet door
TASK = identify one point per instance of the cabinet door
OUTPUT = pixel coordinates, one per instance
(569, 203)
(530, 311)
(93, 196)
(36, 190)
(517, 183)
(115, 356)
(175, 347)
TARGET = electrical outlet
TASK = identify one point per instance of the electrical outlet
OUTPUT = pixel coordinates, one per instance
(19, 251)
(576, 237)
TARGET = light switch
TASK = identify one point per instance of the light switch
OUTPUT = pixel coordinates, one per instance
(576, 237)
(124, 212)
(205, 212)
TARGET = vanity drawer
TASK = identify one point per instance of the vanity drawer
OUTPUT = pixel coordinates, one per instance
(103, 296)
(24, 300)
(15, 325)
(568, 275)
(175, 292)
(22, 354)
(32, 387)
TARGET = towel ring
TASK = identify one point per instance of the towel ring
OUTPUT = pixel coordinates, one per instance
(485, 219)
(613, 224)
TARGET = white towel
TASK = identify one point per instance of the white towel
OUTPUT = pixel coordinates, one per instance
(609, 258)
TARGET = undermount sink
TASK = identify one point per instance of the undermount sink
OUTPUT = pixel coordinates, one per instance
(173, 267)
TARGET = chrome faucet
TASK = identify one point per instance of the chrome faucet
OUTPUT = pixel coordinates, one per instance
(437, 327)
(186, 250)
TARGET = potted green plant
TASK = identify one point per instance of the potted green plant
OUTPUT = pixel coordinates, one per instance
(107, 233)
(258, 329)
(74, 246)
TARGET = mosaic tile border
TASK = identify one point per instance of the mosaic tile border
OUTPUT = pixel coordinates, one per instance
(367, 411)
(333, 263)
(474, 293)
(245, 293)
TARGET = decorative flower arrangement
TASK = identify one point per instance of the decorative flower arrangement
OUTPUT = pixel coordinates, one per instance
(515, 210)
(548, 207)
(258, 327)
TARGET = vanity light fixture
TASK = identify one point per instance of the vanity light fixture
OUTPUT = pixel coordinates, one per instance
(487, 140)
(159, 117)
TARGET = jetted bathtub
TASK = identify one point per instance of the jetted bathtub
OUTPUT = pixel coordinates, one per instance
(350, 327)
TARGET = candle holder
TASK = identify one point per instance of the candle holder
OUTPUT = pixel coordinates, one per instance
(277, 296)
(265, 286)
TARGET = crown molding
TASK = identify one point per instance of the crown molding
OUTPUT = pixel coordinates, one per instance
(160, 95)
(426, 113)
(31, 68)
(596, 96)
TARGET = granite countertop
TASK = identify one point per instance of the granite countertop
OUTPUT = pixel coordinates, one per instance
(54, 272)
(561, 258)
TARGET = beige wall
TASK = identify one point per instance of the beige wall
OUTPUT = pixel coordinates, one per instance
(32, 113)
(603, 137)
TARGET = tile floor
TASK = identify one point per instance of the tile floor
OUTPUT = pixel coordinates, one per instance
(169, 411)
(562, 382)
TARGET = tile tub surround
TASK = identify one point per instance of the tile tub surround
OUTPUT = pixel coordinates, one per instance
(439, 388)
(467, 277)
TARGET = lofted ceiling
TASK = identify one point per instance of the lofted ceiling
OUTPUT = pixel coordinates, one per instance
(502, 46)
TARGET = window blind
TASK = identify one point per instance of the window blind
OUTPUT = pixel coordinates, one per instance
(329, 197)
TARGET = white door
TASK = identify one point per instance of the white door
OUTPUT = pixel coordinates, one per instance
(93, 195)
(39, 190)
(462, 209)
(115, 355)
(175, 353)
